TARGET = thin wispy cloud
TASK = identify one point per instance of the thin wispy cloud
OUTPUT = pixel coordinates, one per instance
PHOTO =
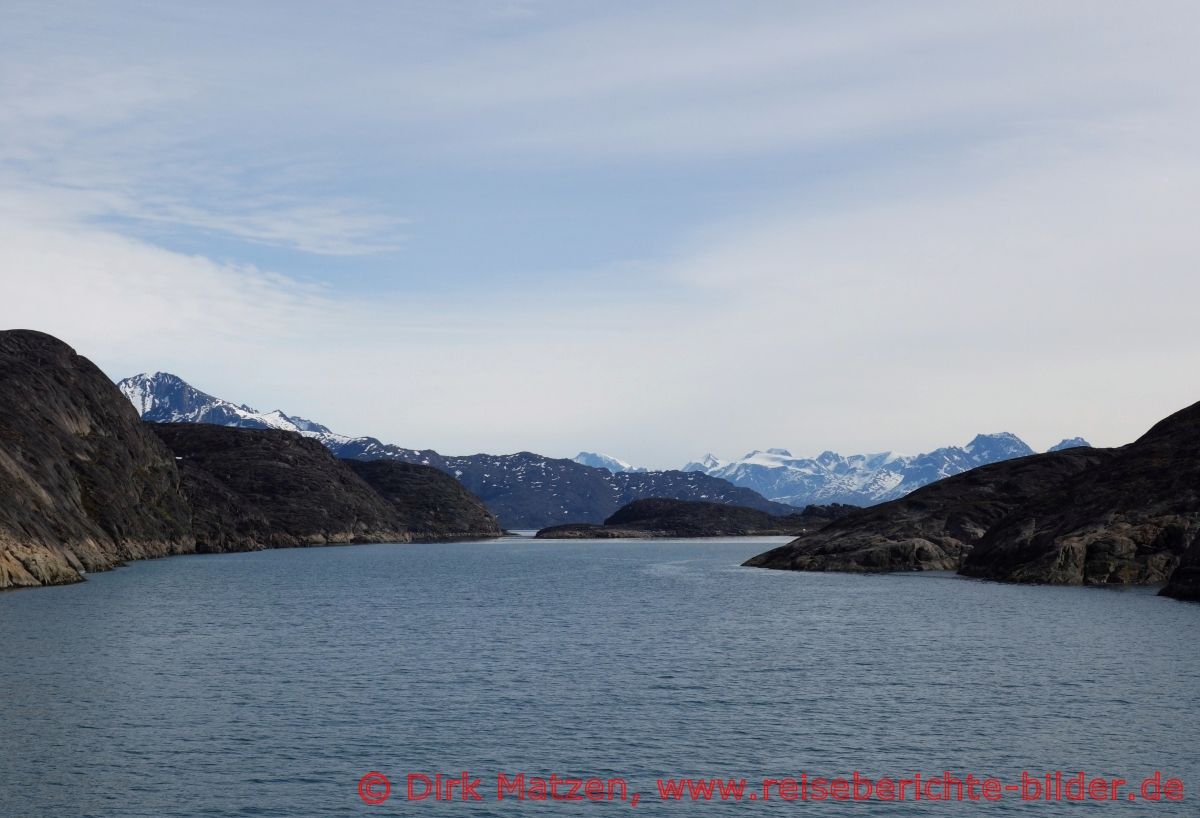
(650, 229)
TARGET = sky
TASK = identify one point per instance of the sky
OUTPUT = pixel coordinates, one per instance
(651, 229)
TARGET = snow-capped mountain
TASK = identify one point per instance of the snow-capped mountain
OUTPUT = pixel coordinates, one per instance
(166, 398)
(523, 490)
(704, 464)
(1070, 443)
(861, 479)
(603, 461)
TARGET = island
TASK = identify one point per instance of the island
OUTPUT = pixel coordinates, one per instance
(668, 518)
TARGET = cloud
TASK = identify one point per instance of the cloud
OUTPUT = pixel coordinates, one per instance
(861, 227)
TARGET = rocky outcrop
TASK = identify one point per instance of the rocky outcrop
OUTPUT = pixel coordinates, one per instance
(1126, 521)
(659, 517)
(84, 485)
(265, 488)
(427, 502)
(1184, 582)
(1076, 516)
(935, 526)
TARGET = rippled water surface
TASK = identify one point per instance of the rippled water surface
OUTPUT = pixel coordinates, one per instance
(269, 683)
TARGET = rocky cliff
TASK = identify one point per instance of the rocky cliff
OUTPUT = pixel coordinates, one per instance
(1184, 582)
(86, 485)
(1073, 516)
(1127, 520)
(83, 484)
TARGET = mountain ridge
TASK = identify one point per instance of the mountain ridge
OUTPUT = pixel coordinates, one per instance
(861, 479)
(524, 490)
(85, 485)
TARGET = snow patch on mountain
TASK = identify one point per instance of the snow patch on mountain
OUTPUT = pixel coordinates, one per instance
(860, 479)
(166, 398)
(524, 490)
(604, 461)
(704, 464)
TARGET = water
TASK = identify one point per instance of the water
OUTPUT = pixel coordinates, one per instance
(267, 684)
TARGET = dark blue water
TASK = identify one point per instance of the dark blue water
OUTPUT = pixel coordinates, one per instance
(268, 684)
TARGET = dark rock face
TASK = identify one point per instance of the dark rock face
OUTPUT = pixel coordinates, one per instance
(1185, 580)
(1127, 520)
(265, 488)
(935, 526)
(429, 503)
(83, 484)
(659, 517)
(86, 485)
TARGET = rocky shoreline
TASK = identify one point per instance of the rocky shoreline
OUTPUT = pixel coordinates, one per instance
(1125, 516)
(85, 485)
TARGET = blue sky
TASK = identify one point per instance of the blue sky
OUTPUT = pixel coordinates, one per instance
(652, 229)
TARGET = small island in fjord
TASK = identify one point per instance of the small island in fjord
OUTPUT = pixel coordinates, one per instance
(666, 518)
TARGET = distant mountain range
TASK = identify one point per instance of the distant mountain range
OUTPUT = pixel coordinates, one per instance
(523, 490)
(527, 490)
(1073, 516)
(861, 479)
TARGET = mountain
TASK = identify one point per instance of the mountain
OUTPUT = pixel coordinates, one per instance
(427, 500)
(1070, 443)
(166, 398)
(84, 485)
(252, 489)
(644, 519)
(1075, 516)
(706, 463)
(861, 479)
(933, 527)
(1126, 520)
(270, 488)
(603, 461)
(524, 490)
